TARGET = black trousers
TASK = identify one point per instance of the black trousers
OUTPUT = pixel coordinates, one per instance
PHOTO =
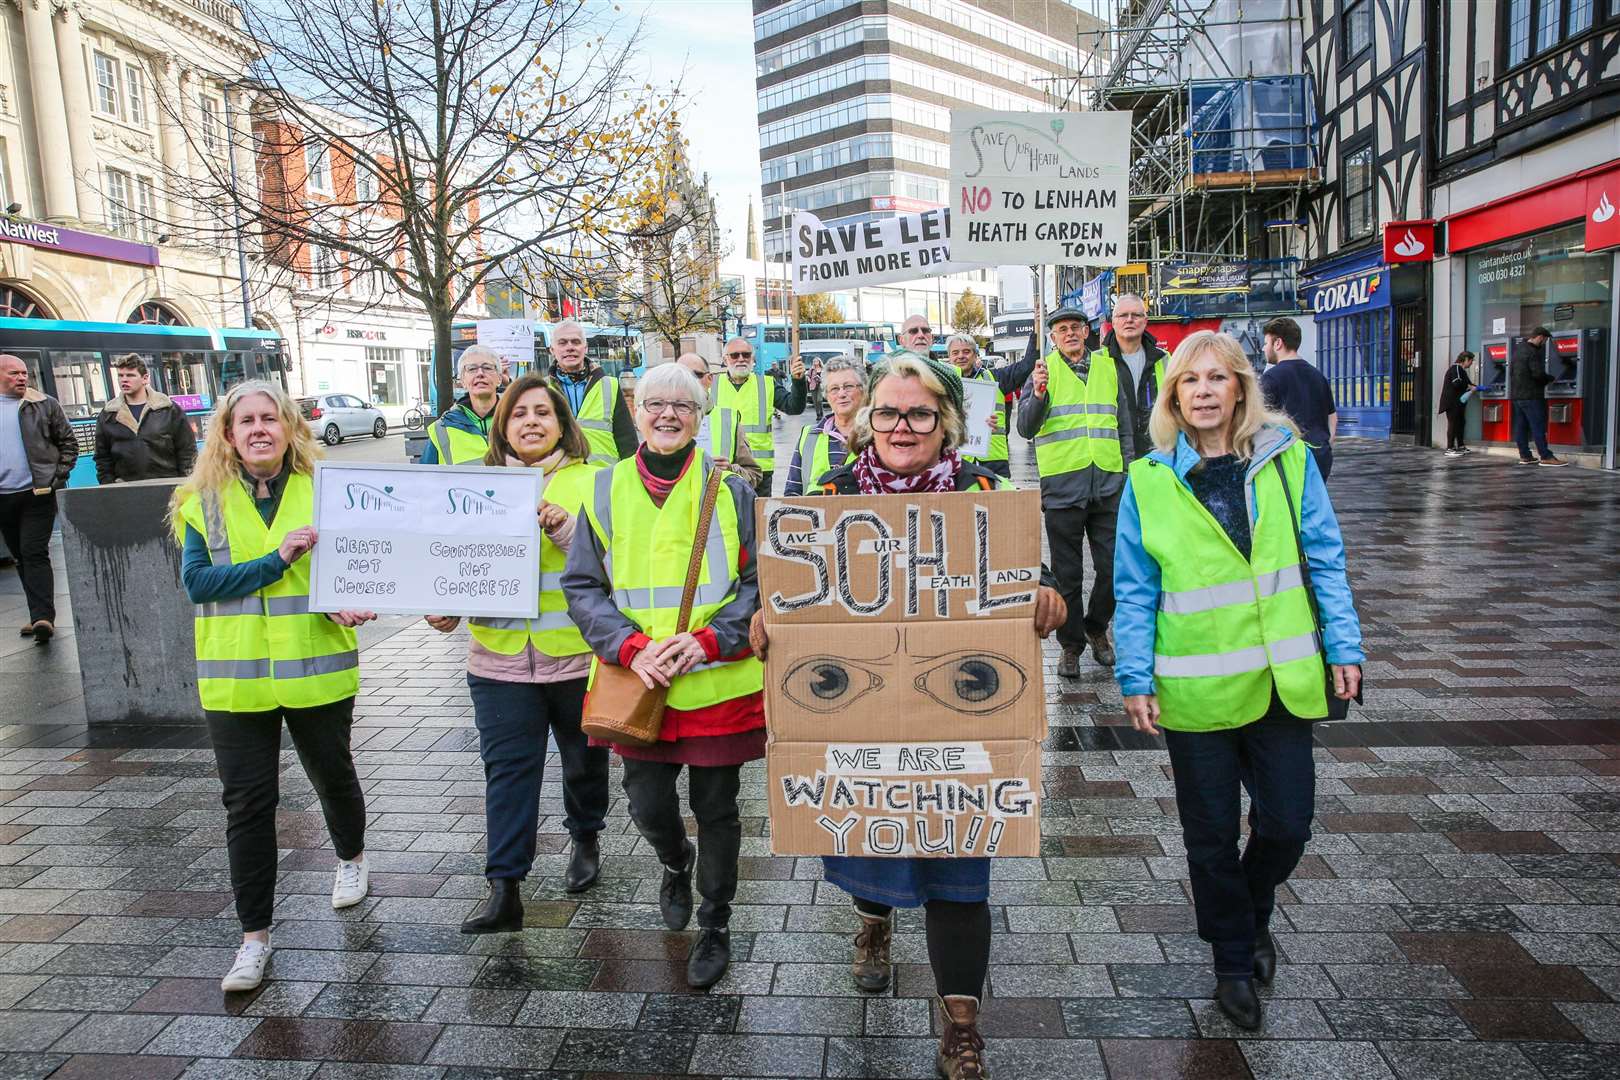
(958, 943)
(656, 810)
(247, 749)
(514, 720)
(26, 521)
(1455, 422)
(1068, 532)
(763, 488)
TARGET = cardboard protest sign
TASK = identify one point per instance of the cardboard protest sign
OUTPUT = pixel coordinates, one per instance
(413, 540)
(1038, 188)
(904, 692)
(828, 257)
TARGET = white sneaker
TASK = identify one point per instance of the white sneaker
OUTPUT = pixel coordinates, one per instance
(247, 970)
(350, 885)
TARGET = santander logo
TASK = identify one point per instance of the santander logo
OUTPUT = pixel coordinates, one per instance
(1410, 245)
(1605, 209)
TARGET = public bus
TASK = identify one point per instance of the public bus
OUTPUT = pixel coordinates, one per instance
(194, 365)
(770, 340)
(615, 349)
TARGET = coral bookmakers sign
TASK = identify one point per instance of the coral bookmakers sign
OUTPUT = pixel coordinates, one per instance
(1409, 242)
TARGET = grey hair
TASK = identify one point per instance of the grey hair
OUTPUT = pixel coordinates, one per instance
(965, 340)
(480, 352)
(575, 323)
(1126, 296)
(666, 379)
(908, 365)
(844, 363)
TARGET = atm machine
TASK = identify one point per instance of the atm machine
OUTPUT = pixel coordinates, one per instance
(1578, 362)
(1496, 412)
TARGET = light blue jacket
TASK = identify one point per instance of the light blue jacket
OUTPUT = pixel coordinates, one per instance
(1136, 573)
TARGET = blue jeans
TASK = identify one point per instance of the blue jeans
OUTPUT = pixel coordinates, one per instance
(513, 721)
(1233, 897)
(1530, 421)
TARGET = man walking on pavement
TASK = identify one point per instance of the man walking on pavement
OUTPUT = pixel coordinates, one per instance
(37, 451)
(1077, 410)
(963, 351)
(1295, 387)
(1527, 386)
(461, 434)
(755, 399)
(593, 395)
(141, 434)
(1128, 340)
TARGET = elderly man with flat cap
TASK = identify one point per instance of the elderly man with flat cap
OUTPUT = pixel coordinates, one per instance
(1077, 410)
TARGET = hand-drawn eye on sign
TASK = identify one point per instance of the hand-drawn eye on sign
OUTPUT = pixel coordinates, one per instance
(972, 681)
(826, 684)
(967, 681)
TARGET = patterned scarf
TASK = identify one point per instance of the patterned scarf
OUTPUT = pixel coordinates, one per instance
(874, 479)
(657, 487)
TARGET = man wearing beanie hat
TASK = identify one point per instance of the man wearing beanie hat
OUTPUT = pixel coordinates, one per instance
(1077, 410)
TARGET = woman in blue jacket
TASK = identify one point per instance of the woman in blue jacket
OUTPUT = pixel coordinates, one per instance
(1225, 528)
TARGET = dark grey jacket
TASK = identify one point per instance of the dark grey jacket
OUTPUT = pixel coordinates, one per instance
(48, 438)
(1527, 376)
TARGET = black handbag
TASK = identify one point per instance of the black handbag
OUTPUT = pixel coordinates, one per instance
(1338, 708)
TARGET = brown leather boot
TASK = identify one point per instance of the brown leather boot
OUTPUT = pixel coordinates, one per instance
(961, 1047)
(871, 968)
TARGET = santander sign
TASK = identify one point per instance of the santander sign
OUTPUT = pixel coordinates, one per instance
(1409, 241)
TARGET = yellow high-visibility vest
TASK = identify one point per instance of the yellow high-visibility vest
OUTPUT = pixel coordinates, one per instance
(755, 402)
(1081, 429)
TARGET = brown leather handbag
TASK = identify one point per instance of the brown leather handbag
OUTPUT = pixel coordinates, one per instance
(619, 708)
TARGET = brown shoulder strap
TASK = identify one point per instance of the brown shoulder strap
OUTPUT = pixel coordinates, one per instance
(699, 544)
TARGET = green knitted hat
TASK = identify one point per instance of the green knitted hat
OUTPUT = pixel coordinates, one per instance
(947, 373)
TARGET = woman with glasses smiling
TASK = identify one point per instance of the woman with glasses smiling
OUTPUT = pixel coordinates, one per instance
(624, 582)
(824, 446)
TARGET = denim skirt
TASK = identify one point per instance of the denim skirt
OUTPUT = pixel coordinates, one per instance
(909, 882)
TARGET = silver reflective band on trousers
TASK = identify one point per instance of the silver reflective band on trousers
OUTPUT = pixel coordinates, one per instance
(1237, 662)
(1192, 601)
(283, 669)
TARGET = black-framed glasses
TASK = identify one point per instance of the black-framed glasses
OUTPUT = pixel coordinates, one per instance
(918, 421)
(679, 408)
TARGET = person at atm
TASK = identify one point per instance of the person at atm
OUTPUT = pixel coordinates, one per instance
(1454, 391)
(1527, 386)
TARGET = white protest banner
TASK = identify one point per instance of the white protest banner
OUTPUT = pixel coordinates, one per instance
(1035, 188)
(513, 339)
(831, 257)
(982, 398)
(426, 540)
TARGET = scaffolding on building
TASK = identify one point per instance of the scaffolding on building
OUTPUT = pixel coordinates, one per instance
(1223, 136)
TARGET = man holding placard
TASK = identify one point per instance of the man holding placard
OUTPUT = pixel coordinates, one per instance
(461, 434)
(964, 353)
(756, 399)
(1077, 410)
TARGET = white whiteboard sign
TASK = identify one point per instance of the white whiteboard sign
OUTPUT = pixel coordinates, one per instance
(513, 339)
(982, 399)
(426, 540)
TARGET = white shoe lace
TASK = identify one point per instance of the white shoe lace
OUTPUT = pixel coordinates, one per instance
(249, 955)
(348, 876)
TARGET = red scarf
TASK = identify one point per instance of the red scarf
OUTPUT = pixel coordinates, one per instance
(874, 479)
(657, 488)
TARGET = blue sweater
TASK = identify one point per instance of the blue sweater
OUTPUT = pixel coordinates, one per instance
(1137, 581)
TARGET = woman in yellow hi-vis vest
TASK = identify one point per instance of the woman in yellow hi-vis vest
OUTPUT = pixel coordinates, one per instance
(624, 583)
(527, 676)
(1234, 623)
(244, 518)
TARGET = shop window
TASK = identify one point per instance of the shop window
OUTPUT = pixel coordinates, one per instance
(107, 97)
(135, 93)
(1356, 28)
(81, 382)
(383, 367)
(1357, 193)
(16, 304)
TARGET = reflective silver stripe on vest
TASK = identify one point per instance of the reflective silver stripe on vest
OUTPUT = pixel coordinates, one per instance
(250, 604)
(287, 605)
(766, 408)
(233, 669)
(1192, 601)
(548, 620)
(722, 582)
(1077, 433)
(219, 541)
(317, 665)
(1082, 410)
(443, 443)
(1237, 662)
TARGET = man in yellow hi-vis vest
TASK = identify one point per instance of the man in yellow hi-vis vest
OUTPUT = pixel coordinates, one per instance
(1077, 410)
(593, 395)
(756, 398)
(720, 433)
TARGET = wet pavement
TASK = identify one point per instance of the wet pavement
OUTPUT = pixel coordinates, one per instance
(1457, 915)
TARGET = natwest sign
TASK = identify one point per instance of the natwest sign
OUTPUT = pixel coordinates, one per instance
(1409, 241)
(73, 242)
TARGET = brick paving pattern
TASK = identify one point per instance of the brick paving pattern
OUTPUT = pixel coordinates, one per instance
(1458, 913)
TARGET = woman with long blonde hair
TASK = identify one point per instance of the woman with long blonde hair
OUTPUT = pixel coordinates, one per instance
(244, 518)
(1235, 624)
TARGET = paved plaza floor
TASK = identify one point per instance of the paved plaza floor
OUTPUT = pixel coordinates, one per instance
(1457, 915)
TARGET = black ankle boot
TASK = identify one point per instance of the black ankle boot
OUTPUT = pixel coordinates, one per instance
(502, 913)
(1265, 959)
(1238, 1001)
(675, 891)
(584, 866)
(711, 954)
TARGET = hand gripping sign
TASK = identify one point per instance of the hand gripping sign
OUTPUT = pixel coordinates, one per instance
(903, 686)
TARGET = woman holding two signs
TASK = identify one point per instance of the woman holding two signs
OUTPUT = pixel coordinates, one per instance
(244, 517)
(527, 676)
(905, 442)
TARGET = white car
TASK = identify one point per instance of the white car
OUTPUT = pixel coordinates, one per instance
(334, 417)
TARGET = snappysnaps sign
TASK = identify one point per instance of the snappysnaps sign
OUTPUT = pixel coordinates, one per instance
(829, 257)
(409, 540)
(1040, 187)
(904, 694)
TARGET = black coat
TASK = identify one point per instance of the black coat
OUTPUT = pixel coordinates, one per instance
(1527, 375)
(1453, 387)
(162, 444)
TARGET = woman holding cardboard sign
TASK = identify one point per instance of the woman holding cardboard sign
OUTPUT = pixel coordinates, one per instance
(245, 516)
(905, 442)
(1236, 627)
(527, 676)
(632, 551)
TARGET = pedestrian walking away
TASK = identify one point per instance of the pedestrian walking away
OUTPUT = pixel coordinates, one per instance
(720, 433)
(141, 433)
(963, 351)
(527, 676)
(824, 446)
(245, 518)
(37, 452)
(1455, 389)
(1293, 387)
(593, 395)
(908, 442)
(756, 399)
(624, 580)
(1225, 535)
(1077, 410)
(461, 434)
(1527, 387)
